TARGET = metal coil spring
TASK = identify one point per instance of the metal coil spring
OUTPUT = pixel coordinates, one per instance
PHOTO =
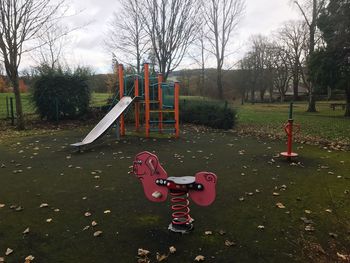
(180, 206)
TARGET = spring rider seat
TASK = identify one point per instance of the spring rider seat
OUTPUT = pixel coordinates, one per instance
(156, 185)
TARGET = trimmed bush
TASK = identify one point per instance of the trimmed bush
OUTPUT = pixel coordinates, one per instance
(213, 115)
(58, 94)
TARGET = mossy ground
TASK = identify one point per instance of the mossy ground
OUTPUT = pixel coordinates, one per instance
(246, 168)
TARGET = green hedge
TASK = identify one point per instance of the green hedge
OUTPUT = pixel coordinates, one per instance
(57, 94)
(212, 114)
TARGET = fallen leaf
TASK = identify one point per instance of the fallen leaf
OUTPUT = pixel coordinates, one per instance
(2, 259)
(222, 232)
(94, 223)
(261, 227)
(208, 233)
(142, 252)
(307, 211)
(172, 250)
(43, 205)
(98, 233)
(275, 194)
(199, 258)
(229, 243)
(26, 231)
(87, 214)
(343, 256)
(29, 259)
(280, 205)
(107, 211)
(86, 228)
(8, 251)
(329, 210)
(2, 205)
(309, 228)
(161, 257)
(49, 220)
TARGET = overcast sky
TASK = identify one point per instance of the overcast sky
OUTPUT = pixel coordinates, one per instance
(86, 44)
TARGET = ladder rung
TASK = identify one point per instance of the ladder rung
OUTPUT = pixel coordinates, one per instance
(162, 111)
(163, 130)
(167, 121)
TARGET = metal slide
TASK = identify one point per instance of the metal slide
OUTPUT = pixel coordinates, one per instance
(106, 122)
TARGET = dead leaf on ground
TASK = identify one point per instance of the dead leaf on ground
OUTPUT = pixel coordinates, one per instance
(160, 257)
(98, 233)
(229, 243)
(29, 259)
(343, 256)
(208, 233)
(8, 251)
(142, 252)
(199, 258)
(26, 231)
(280, 205)
(172, 250)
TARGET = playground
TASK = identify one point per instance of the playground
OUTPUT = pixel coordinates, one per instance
(54, 200)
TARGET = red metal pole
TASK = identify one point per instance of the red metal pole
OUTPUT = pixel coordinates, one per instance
(121, 95)
(290, 137)
(137, 104)
(147, 102)
(176, 108)
(160, 98)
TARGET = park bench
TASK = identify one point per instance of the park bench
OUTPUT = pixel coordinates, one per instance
(334, 105)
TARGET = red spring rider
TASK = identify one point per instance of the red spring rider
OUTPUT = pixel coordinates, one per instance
(288, 128)
(156, 185)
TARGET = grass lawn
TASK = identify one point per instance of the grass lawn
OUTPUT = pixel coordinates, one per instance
(97, 99)
(43, 169)
(324, 124)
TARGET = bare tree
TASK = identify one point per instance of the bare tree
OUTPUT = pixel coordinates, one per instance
(200, 55)
(293, 36)
(281, 73)
(127, 37)
(222, 18)
(21, 21)
(51, 44)
(171, 26)
(311, 10)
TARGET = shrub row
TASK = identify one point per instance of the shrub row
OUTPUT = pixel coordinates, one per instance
(214, 115)
(58, 94)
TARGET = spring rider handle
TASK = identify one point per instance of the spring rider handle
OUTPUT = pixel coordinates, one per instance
(156, 185)
(288, 128)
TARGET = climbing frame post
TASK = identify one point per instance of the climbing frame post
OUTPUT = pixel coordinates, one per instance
(121, 95)
(137, 104)
(147, 102)
(160, 99)
(176, 108)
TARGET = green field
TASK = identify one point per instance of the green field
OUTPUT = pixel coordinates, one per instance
(97, 99)
(325, 124)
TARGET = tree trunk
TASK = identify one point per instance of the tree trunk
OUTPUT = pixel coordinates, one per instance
(312, 102)
(347, 108)
(282, 97)
(219, 83)
(19, 111)
(252, 96)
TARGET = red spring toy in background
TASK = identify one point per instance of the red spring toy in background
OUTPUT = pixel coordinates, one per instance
(201, 188)
(289, 129)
